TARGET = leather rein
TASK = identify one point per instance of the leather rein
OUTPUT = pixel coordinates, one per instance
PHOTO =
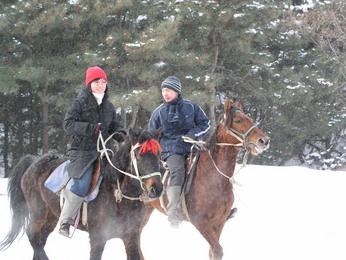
(241, 137)
(118, 193)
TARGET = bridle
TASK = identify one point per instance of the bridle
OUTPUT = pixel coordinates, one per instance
(104, 152)
(241, 137)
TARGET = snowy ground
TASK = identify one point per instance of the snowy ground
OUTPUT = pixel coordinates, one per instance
(284, 213)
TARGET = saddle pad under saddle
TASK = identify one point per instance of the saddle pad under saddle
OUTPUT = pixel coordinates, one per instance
(59, 178)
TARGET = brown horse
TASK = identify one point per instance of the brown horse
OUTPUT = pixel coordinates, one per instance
(36, 210)
(210, 199)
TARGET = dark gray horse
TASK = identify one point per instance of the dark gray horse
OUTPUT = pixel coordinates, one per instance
(107, 218)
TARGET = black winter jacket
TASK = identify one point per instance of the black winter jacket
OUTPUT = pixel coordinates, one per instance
(80, 124)
(179, 118)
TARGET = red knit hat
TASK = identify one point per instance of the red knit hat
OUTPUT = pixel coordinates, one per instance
(93, 73)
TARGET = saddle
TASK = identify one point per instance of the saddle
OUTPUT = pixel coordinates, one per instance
(95, 182)
(96, 175)
(190, 166)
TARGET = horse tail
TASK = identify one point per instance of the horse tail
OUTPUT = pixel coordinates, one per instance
(19, 208)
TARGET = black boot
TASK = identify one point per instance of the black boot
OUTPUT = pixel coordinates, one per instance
(64, 229)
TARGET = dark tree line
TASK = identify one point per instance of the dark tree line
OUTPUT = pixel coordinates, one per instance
(286, 66)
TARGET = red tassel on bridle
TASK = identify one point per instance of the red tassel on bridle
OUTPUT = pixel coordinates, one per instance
(151, 145)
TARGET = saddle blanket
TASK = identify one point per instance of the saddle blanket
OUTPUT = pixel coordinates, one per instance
(59, 178)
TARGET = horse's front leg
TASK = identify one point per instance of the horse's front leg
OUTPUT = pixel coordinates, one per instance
(97, 245)
(212, 235)
(132, 246)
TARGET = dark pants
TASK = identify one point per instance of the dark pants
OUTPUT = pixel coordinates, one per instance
(176, 165)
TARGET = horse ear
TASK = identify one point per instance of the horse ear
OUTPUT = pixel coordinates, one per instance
(157, 133)
(133, 135)
(227, 107)
(131, 132)
(239, 105)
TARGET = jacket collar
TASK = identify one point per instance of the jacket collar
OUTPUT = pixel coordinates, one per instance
(178, 101)
(86, 93)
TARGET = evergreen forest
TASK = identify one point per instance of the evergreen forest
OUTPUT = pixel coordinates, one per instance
(285, 61)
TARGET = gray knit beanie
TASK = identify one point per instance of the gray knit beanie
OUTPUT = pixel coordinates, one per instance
(172, 83)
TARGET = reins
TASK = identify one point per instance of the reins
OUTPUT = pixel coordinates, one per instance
(230, 179)
(104, 152)
(239, 136)
(118, 193)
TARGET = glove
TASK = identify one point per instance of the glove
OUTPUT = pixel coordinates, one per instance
(98, 128)
(119, 136)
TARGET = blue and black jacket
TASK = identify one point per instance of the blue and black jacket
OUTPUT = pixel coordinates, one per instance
(179, 118)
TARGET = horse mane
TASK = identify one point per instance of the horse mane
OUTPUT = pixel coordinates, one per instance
(212, 139)
(122, 156)
(122, 159)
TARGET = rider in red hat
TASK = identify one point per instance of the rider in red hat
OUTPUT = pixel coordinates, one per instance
(90, 113)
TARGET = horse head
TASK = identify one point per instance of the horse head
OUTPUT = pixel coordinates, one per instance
(145, 156)
(238, 128)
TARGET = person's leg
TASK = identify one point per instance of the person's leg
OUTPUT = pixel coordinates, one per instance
(74, 195)
(72, 204)
(176, 165)
(81, 186)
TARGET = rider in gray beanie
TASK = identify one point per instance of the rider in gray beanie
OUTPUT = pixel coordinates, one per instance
(177, 117)
(172, 83)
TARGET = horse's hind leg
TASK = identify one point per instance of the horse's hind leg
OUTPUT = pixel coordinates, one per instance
(38, 231)
(133, 247)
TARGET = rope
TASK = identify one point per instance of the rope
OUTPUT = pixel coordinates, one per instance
(231, 179)
(119, 195)
(104, 152)
(245, 158)
(202, 144)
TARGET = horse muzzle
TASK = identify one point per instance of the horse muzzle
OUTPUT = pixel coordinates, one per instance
(260, 146)
(154, 187)
(155, 192)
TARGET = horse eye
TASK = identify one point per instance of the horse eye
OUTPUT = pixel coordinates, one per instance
(237, 121)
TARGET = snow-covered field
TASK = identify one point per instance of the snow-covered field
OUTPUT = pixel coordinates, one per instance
(284, 213)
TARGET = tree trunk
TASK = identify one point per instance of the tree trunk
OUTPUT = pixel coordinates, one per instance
(6, 149)
(123, 118)
(211, 86)
(134, 117)
(45, 119)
